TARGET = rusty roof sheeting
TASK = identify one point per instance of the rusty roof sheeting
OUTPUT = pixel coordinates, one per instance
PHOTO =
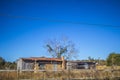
(42, 59)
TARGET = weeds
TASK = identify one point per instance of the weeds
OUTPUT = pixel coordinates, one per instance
(72, 74)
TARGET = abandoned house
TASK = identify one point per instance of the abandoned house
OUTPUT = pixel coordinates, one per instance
(80, 65)
(41, 63)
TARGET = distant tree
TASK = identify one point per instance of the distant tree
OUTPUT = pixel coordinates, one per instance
(10, 65)
(63, 47)
(113, 59)
(2, 63)
(13, 65)
(91, 59)
(7, 65)
(98, 61)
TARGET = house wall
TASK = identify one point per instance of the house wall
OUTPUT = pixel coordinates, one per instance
(48, 67)
(27, 65)
(23, 65)
(19, 64)
(80, 65)
(53, 67)
(30, 65)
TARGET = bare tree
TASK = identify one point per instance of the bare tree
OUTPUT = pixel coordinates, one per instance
(61, 47)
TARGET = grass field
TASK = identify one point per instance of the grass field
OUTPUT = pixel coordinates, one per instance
(61, 75)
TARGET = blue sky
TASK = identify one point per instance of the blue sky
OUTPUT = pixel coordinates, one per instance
(25, 37)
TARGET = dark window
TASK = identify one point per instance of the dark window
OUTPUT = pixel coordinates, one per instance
(42, 66)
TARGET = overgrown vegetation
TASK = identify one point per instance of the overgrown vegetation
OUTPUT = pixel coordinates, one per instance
(113, 59)
(6, 64)
(61, 75)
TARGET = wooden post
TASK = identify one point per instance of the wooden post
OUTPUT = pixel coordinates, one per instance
(8, 74)
(44, 75)
(69, 74)
(36, 67)
(63, 63)
(18, 74)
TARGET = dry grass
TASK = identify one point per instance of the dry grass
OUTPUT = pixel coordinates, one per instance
(79, 74)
